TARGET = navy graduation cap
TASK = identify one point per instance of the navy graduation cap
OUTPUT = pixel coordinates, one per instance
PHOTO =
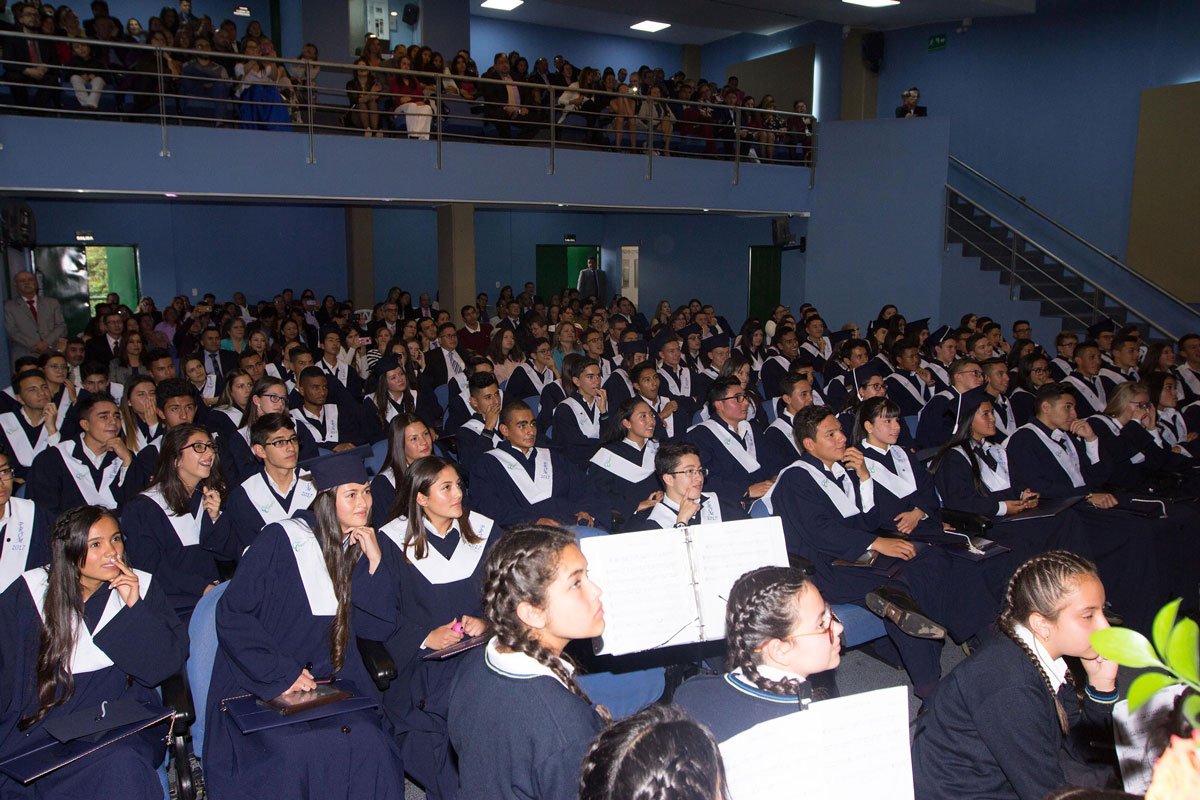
(837, 337)
(334, 469)
(713, 342)
(917, 325)
(633, 346)
(861, 375)
(386, 364)
(968, 402)
(1104, 326)
(940, 335)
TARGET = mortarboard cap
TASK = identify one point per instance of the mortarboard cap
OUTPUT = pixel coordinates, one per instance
(689, 330)
(917, 325)
(713, 342)
(660, 338)
(860, 375)
(386, 364)
(837, 337)
(1104, 326)
(332, 470)
(940, 335)
(633, 346)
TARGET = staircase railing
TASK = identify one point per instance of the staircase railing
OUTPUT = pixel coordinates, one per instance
(955, 219)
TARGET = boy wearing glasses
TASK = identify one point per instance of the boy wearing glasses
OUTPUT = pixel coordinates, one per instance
(730, 446)
(684, 500)
(272, 494)
(939, 415)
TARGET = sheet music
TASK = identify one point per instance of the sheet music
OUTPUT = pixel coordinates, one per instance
(830, 737)
(1132, 734)
(648, 596)
(723, 553)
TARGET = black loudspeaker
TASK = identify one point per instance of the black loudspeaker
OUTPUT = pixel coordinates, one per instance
(411, 13)
(781, 231)
(20, 228)
(872, 50)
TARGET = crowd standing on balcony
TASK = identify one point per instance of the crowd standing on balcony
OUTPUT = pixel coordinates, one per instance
(499, 432)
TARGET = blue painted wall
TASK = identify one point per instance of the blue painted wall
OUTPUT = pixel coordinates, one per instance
(1048, 104)
(405, 250)
(490, 36)
(827, 66)
(875, 236)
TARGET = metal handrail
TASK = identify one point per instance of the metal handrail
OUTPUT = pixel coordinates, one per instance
(1129, 307)
(381, 73)
(1112, 259)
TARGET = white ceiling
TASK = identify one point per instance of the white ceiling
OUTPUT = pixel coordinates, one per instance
(704, 21)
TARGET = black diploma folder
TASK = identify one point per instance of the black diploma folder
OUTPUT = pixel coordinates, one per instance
(252, 715)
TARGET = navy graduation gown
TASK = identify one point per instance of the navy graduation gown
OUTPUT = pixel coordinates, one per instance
(383, 495)
(521, 387)
(779, 445)
(251, 506)
(937, 419)
(64, 477)
(497, 494)
(625, 475)
(126, 652)
(474, 440)
(729, 704)
(246, 463)
(729, 477)
(551, 396)
(665, 513)
(169, 547)
(1021, 403)
(518, 737)
(24, 539)
(577, 443)
(618, 387)
(992, 731)
(773, 370)
(349, 425)
(908, 391)
(273, 621)
(23, 442)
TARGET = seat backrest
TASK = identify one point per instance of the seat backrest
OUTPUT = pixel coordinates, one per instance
(911, 422)
(442, 395)
(759, 510)
(202, 630)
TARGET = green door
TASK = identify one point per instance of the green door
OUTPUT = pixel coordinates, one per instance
(80, 277)
(558, 266)
(765, 269)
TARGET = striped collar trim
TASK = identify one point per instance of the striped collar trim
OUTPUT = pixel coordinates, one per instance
(517, 665)
(739, 683)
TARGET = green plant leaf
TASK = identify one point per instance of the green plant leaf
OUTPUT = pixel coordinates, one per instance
(1191, 709)
(1164, 621)
(1127, 648)
(1144, 687)
(1183, 651)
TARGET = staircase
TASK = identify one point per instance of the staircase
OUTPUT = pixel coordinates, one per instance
(1030, 272)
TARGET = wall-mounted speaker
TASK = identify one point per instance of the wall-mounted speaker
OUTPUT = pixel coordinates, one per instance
(411, 13)
(20, 227)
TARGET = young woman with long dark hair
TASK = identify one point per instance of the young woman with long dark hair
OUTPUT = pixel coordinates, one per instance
(409, 438)
(85, 630)
(623, 467)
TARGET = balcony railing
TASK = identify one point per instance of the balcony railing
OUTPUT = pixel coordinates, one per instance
(168, 86)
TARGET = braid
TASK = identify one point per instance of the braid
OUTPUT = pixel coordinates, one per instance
(762, 607)
(1038, 587)
(519, 568)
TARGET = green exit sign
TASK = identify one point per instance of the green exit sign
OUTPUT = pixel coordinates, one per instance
(937, 42)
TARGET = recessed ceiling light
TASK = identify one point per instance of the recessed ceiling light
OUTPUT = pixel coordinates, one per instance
(502, 5)
(650, 26)
(873, 3)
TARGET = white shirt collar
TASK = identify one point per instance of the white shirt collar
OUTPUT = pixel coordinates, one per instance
(631, 443)
(279, 489)
(433, 532)
(879, 450)
(1056, 669)
(96, 459)
(518, 665)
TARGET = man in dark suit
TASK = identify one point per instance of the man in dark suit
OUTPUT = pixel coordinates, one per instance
(104, 348)
(591, 282)
(29, 72)
(502, 101)
(909, 107)
(34, 324)
(216, 360)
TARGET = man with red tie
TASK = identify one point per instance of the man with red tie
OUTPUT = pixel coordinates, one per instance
(34, 323)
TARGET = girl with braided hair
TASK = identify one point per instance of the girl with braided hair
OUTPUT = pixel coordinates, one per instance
(303, 591)
(1009, 723)
(518, 720)
(779, 631)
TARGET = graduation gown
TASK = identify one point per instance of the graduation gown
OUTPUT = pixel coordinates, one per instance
(673, 427)
(370, 414)
(577, 427)
(383, 495)
(527, 381)
(779, 445)
(121, 653)
(169, 546)
(937, 419)
(345, 384)
(444, 585)
(908, 391)
(679, 385)
(1021, 402)
(618, 387)
(1131, 450)
(625, 474)
(732, 461)
(665, 513)
(273, 621)
(24, 539)
(512, 488)
(24, 442)
(773, 370)
(63, 477)
(1187, 384)
(245, 463)
(474, 439)
(518, 732)
(552, 395)
(1090, 394)
(339, 424)
(255, 503)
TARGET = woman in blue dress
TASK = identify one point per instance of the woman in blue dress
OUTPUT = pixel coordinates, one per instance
(290, 616)
(85, 630)
(435, 552)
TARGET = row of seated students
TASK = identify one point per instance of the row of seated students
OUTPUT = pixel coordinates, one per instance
(843, 498)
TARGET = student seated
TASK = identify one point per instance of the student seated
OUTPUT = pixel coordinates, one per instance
(673, 422)
(623, 467)
(458, 408)
(1009, 722)
(630, 353)
(518, 720)
(779, 446)
(139, 413)
(827, 502)
(940, 414)
(1091, 395)
(909, 385)
(164, 523)
(434, 550)
(274, 493)
(393, 395)
(677, 377)
(409, 439)
(478, 432)
(684, 501)
(26, 432)
(531, 377)
(345, 384)
(780, 631)
(785, 347)
(333, 426)
(85, 630)
(24, 528)
(227, 414)
(730, 446)
(519, 482)
(267, 396)
(288, 619)
(579, 418)
(714, 353)
(176, 405)
(92, 469)
(1131, 441)
(554, 393)
(659, 751)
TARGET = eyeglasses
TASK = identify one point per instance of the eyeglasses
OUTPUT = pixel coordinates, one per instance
(288, 442)
(278, 398)
(826, 629)
(1039, 369)
(873, 385)
(737, 398)
(200, 448)
(6, 474)
(692, 473)
(978, 372)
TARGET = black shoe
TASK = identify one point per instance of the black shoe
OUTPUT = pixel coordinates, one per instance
(903, 612)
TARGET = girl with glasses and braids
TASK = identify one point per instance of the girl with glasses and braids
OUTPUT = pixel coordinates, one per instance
(84, 630)
(166, 521)
(779, 632)
(289, 618)
(519, 720)
(1009, 721)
